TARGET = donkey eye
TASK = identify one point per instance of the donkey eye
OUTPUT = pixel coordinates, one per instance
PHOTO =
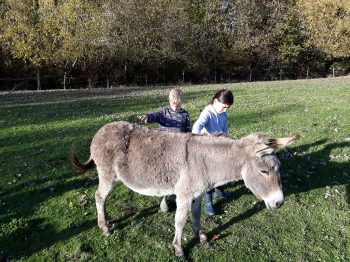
(264, 172)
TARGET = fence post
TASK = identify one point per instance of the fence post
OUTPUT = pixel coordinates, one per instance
(38, 81)
(281, 73)
(64, 80)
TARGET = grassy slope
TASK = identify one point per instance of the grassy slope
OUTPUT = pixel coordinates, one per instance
(47, 213)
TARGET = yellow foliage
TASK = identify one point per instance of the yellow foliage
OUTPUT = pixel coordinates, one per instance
(327, 23)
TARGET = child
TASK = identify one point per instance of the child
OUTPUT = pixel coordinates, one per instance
(172, 118)
(213, 119)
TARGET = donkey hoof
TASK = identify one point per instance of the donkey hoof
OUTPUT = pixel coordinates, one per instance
(107, 233)
(179, 252)
(181, 256)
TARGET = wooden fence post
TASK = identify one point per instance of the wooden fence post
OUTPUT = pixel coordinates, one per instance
(38, 81)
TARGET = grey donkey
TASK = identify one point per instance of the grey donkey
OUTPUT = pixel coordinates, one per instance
(158, 163)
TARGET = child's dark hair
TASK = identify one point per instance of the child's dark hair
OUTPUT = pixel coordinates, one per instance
(224, 96)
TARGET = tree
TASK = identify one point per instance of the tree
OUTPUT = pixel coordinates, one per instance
(20, 35)
(326, 23)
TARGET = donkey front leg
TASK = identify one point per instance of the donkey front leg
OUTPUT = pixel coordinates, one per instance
(182, 207)
(196, 217)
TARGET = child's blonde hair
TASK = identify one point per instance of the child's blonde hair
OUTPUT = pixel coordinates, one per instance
(176, 96)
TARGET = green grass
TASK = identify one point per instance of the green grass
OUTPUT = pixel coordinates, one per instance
(47, 212)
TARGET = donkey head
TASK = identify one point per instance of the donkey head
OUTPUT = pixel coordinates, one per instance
(261, 173)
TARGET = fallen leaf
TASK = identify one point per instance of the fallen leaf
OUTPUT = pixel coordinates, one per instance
(328, 194)
(215, 237)
(331, 157)
(82, 198)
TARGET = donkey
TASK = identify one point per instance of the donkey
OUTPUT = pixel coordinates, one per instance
(158, 163)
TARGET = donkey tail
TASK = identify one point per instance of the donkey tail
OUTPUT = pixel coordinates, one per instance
(90, 164)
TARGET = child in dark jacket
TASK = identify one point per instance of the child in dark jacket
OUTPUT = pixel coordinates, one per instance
(172, 118)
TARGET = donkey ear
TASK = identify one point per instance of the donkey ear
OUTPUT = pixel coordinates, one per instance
(265, 151)
(273, 144)
(281, 142)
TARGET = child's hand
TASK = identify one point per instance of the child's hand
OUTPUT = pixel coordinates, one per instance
(143, 118)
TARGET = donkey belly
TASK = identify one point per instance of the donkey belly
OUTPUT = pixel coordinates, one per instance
(154, 184)
(152, 191)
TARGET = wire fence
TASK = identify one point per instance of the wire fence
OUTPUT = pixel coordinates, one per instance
(44, 83)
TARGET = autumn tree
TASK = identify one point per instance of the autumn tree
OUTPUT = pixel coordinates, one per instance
(54, 33)
(326, 23)
(20, 35)
(77, 33)
(150, 41)
(253, 26)
(150, 35)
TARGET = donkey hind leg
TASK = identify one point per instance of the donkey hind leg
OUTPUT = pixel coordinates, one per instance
(196, 217)
(105, 186)
(183, 205)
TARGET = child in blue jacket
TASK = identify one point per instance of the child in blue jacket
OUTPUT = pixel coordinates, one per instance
(213, 119)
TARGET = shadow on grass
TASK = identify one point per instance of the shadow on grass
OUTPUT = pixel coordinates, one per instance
(122, 222)
(210, 234)
(25, 200)
(34, 238)
(317, 169)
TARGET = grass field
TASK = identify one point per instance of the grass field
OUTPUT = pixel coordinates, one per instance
(47, 212)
